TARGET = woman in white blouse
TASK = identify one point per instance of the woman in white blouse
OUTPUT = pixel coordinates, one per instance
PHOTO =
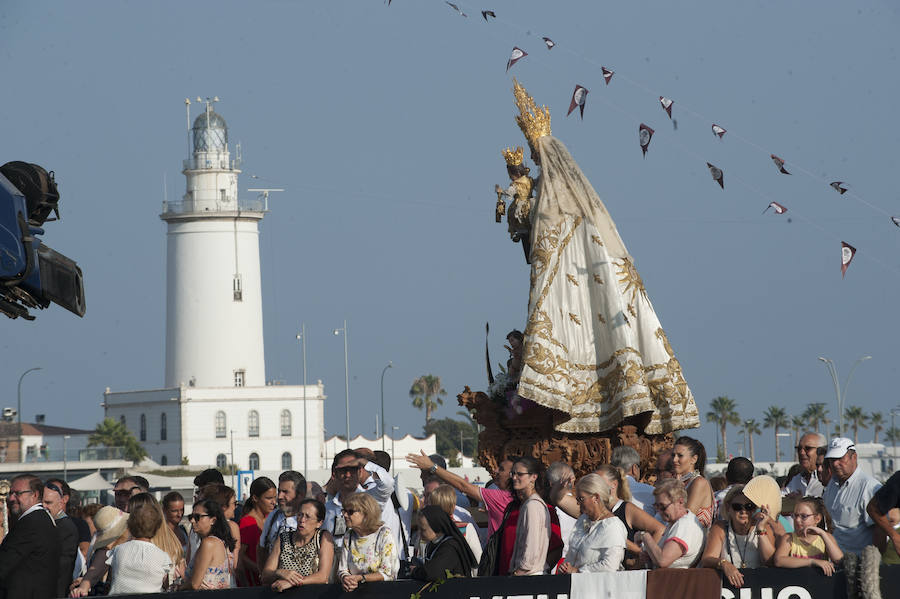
(598, 539)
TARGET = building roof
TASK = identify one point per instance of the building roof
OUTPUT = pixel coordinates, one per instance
(47, 430)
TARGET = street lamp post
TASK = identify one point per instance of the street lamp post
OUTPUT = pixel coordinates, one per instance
(841, 395)
(389, 365)
(346, 376)
(66, 457)
(894, 412)
(19, 408)
(393, 455)
(302, 338)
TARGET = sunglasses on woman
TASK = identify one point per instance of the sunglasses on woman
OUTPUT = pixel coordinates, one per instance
(743, 507)
(347, 512)
(196, 517)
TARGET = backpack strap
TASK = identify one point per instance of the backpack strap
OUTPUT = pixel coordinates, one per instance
(396, 503)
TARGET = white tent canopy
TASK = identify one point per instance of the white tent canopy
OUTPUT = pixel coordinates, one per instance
(92, 482)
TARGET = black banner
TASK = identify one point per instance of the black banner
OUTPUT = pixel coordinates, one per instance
(761, 583)
(803, 583)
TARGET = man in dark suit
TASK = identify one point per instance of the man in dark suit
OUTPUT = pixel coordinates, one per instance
(29, 555)
(56, 497)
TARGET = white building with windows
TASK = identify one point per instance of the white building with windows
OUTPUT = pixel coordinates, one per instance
(216, 407)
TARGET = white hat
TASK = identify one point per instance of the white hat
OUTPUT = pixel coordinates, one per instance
(110, 523)
(838, 447)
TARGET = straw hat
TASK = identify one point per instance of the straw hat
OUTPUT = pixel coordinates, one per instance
(110, 523)
(764, 490)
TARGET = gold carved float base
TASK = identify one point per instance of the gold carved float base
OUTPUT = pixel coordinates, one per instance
(532, 434)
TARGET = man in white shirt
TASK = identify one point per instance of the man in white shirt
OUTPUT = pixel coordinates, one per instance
(847, 495)
(628, 459)
(389, 514)
(347, 469)
(807, 482)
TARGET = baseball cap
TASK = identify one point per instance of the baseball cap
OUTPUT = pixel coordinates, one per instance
(838, 447)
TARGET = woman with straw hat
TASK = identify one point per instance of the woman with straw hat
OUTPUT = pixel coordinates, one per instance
(111, 524)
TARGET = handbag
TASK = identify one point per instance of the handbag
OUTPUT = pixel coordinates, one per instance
(489, 565)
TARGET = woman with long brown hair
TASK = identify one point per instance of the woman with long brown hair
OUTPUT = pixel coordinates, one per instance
(689, 461)
(262, 500)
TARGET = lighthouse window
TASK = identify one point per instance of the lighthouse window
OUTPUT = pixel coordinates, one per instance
(220, 424)
(286, 425)
(143, 427)
(254, 461)
(253, 425)
(239, 378)
(238, 289)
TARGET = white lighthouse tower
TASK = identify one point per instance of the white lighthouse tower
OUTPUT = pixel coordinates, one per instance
(214, 328)
(216, 408)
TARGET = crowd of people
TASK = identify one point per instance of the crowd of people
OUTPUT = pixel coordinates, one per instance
(360, 529)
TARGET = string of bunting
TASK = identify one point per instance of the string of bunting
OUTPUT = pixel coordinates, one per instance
(668, 105)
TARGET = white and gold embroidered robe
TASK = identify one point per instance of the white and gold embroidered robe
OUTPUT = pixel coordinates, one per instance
(594, 347)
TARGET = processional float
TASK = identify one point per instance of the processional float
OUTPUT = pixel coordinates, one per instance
(593, 369)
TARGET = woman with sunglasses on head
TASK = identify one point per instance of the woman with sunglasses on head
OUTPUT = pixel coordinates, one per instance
(811, 543)
(631, 514)
(302, 556)
(745, 539)
(213, 565)
(368, 553)
(689, 461)
(682, 540)
(598, 538)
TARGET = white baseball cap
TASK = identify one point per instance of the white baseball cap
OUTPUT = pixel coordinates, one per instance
(838, 447)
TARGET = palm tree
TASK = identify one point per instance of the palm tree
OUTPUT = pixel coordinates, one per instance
(426, 394)
(750, 428)
(816, 414)
(112, 433)
(892, 435)
(876, 419)
(798, 423)
(857, 419)
(722, 412)
(776, 418)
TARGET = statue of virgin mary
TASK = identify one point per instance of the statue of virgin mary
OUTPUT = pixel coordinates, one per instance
(594, 349)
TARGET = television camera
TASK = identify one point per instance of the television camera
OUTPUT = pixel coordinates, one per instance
(32, 275)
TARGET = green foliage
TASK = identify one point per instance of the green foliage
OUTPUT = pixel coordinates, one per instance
(446, 432)
(723, 412)
(876, 419)
(433, 586)
(426, 392)
(856, 419)
(776, 418)
(892, 435)
(816, 414)
(112, 433)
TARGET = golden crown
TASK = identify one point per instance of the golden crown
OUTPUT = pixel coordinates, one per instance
(514, 157)
(533, 121)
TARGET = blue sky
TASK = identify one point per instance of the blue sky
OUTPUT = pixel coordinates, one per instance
(385, 125)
